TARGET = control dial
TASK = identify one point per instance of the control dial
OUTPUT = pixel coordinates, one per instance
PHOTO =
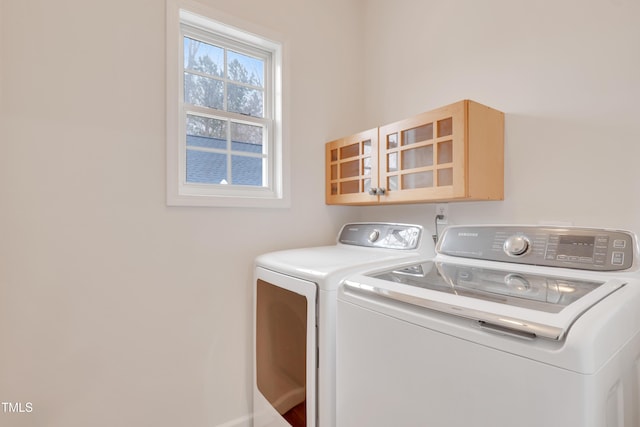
(374, 235)
(516, 245)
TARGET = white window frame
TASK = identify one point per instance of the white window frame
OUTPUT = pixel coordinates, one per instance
(183, 18)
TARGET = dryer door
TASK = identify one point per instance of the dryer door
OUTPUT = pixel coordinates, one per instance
(285, 350)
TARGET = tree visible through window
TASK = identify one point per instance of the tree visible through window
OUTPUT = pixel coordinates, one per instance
(224, 92)
(225, 144)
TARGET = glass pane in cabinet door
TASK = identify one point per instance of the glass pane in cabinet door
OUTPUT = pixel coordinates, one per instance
(419, 134)
(334, 172)
(445, 127)
(392, 183)
(366, 147)
(445, 152)
(334, 155)
(417, 180)
(349, 169)
(334, 189)
(445, 177)
(392, 162)
(366, 185)
(350, 187)
(392, 140)
(349, 151)
(366, 166)
(417, 157)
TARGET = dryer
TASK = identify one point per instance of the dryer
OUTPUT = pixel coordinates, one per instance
(508, 326)
(295, 297)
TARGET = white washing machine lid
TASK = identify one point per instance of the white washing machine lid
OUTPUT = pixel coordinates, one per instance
(360, 246)
(526, 304)
(328, 265)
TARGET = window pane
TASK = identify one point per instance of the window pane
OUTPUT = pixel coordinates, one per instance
(417, 157)
(392, 162)
(392, 182)
(366, 166)
(203, 57)
(349, 187)
(392, 140)
(445, 177)
(206, 168)
(245, 69)
(203, 141)
(246, 170)
(203, 91)
(445, 152)
(349, 169)
(349, 151)
(244, 100)
(419, 134)
(445, 127)
(246, 137)
(418, 180)
(366, 147)
(206, 132)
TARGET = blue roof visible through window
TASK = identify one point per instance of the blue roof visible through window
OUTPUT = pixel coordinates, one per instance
(204, 167)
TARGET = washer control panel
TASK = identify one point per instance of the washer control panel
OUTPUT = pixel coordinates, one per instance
(569, 247)
(381, 235)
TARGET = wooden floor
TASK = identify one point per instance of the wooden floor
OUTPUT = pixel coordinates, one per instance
(297, 416)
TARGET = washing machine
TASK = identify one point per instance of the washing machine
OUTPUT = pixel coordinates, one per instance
(295, 298)
(507, 326)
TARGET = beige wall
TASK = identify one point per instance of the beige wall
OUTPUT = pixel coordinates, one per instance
(567, 75)
(116, 310)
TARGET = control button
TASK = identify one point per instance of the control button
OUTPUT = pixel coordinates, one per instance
(374, 235)
(619, 244)
(586, 259)
(517, 245)
(573, 258)
(617, 258)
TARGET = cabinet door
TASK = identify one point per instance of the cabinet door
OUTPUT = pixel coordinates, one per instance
(352, 169)
(424, 158)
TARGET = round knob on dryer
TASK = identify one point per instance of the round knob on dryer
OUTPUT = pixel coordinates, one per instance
(516, 245)
(374, 235)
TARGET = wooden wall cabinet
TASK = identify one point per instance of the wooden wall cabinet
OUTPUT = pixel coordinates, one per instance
(452, 153)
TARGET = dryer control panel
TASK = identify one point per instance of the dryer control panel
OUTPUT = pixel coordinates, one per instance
(381, 235)
(569, 247)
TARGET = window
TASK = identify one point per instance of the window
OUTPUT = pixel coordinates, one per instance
(224, 113)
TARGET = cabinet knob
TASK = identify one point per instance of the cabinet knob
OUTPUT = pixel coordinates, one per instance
(377, 191)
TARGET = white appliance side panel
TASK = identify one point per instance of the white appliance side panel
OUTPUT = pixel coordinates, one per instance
(264, 413)
(592, 341)
(327, 358)
(394, 373)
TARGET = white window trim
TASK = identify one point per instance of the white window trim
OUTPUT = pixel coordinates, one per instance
(276, 195)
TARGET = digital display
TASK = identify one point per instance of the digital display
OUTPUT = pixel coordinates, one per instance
(580, 246)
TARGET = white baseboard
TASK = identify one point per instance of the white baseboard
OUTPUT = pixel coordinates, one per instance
(244, 421)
